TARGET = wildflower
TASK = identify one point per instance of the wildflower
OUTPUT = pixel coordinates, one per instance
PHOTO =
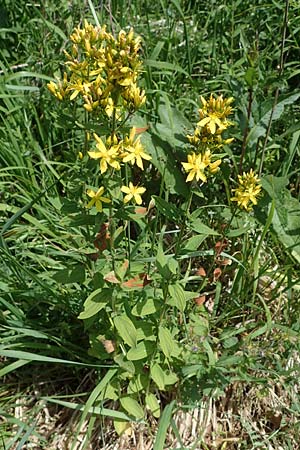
(198, 163)
(134, 150)
(195, 166)
(97, 199)
(213, 113)
(247, 191)
(58, 89)
(133, 192)
(78, 87)
(107, 156)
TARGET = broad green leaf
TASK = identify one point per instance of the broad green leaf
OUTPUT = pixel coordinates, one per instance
(141, 351)
(126, 330)
(128, 366)
(137, 384)
(121, 426)
(96, 301)
(177, 297)
(132, 407)
(167, 209)
(144, 331)
(158, 376)
(145, 307)
(170, 378)
(152, 404)
(201, 228)
(194, 242)
(162, 263)
(166, 342)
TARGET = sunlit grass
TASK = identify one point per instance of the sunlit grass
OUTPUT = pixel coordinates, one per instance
(239, 329)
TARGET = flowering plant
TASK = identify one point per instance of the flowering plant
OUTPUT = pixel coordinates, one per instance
(143, 312)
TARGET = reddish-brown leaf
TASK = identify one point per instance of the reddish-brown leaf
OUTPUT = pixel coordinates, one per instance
(102, 238)
(201, 272)
(200, 300)
(141, 129)
(139, 281)
(220, 246)
(217, 273)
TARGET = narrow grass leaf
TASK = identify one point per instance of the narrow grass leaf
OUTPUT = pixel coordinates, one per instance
(164, 424)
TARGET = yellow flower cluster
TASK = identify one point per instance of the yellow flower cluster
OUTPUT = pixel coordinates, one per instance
(248, 190)
(115, 151)
(103, 71)
(207, 137)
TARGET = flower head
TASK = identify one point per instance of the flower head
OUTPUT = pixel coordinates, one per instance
(214, 112)
(248, 190)
(107, 155)
(197, 164)
(134, 150)
(96, 198)
(133, 192)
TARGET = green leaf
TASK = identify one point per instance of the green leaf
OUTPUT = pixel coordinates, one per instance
(96, 301)
(167, 343)
(128, 366)
(161, 148)
(162, 263)
(177, 295)
(141, 351)
(201, 228)
(144, 331)
(132, 407)
(126, 330)
(121, 426)
(165, 66)
(152, 404)
(170, 378)
(167, 209)
(164, 423)
(93, 410)
(137, 384)
(260, 128)
(286, 216)
(157, 375)
(75, 274)
(145, 307)
(251, 76)
(194, 242)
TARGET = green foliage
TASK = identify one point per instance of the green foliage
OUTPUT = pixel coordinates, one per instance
(187, 296)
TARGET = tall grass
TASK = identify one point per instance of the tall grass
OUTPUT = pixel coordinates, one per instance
(242, 387)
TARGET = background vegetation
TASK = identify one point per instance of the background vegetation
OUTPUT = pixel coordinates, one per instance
(240, 390)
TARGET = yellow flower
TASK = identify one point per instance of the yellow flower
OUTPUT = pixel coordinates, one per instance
(135, 96)
(107, 156)
(198, 163)
(195, 166)
(248, 190)
(97, 199)
(213, 113)
(78, 87)
(134, 150)
(133, 192)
